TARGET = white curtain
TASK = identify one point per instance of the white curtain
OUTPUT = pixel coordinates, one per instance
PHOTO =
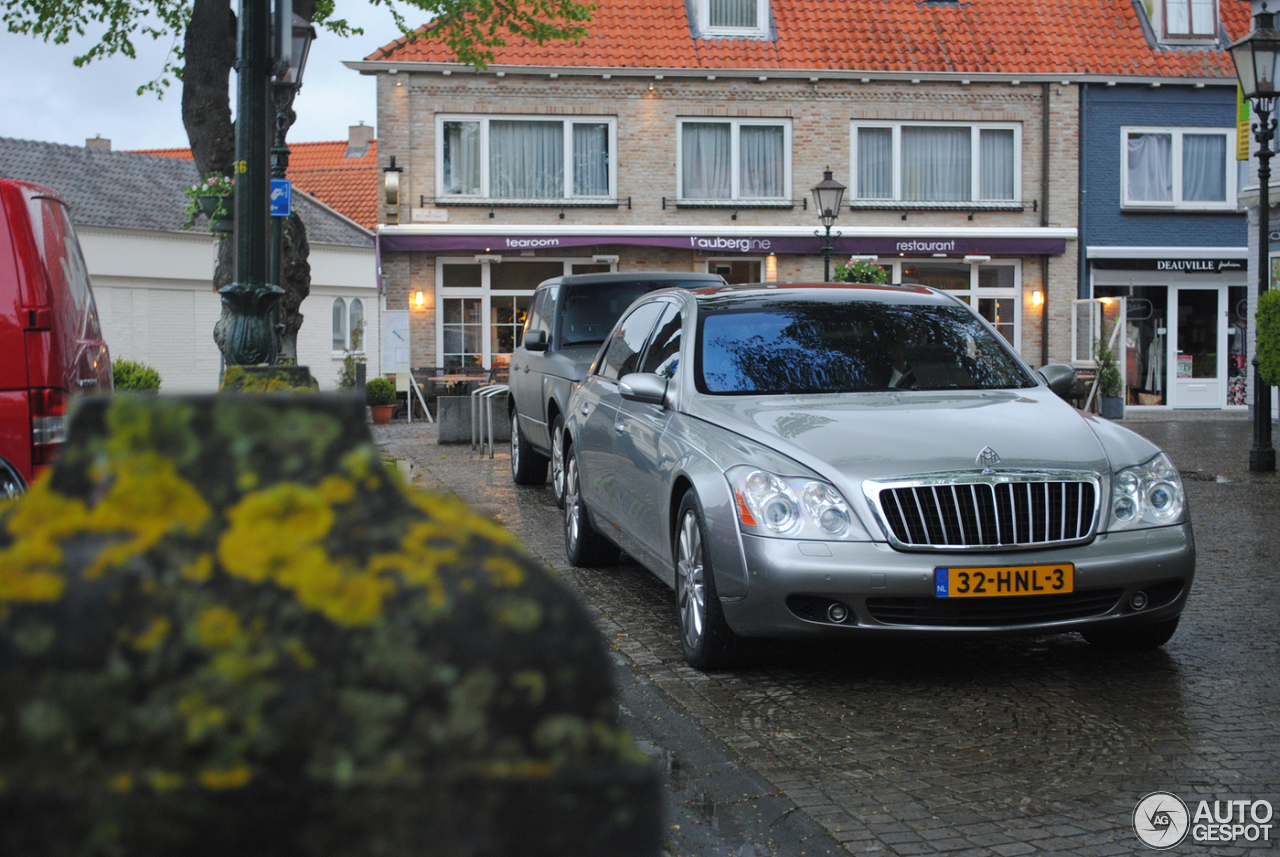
(761, 151)
(733, 13)
(1190, 17)
(339, 324)
(936, 164)
(526, 159)
(706, 155)
(1204, 170)
(875, 163)
(1150, 174)
(590, 160)
(357, 323)
(995, 164)
(462, 158)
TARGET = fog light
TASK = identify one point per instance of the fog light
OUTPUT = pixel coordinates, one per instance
(837, 613)
(1138, 600)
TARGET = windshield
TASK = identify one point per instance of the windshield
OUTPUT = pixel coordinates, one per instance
(855, 347)
(591, 309)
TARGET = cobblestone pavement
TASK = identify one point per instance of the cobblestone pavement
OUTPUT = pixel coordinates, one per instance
(997, 747)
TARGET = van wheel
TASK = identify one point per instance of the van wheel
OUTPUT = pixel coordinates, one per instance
(708, 641)
(1132, 640)
(527, 467)
(557, 461)
(584, 547)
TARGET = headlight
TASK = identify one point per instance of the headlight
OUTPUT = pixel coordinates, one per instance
(792, 507)
(1149, 495)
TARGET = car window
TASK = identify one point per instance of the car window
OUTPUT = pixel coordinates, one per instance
(622, 356)
(68, 273)
(826, 347)
(663, 354)
(590, 309)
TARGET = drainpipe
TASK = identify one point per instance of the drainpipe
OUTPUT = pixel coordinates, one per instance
(1082, 290)
(1044, 219)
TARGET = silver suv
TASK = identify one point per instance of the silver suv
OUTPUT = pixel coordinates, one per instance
(568, 321)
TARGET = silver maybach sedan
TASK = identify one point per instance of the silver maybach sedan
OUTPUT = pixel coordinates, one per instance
(823, 460)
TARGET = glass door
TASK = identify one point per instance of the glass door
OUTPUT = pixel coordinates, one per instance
(1198, 354)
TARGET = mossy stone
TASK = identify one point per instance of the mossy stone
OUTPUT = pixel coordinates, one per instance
(225, 628)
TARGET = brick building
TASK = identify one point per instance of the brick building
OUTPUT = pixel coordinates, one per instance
(685, 135)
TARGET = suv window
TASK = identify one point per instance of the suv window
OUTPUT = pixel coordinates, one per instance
(663, 355)
(623, 354)
(591, 308)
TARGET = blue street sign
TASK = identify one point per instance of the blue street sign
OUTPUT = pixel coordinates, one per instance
(281, 198)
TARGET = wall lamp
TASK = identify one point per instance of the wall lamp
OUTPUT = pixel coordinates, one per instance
(482, 259)
(605, 260)
(418, 300)
(1037, 298)
(391, 185)
(976, 260)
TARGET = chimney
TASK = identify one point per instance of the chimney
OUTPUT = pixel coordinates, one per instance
(358, 138)
(98, 144)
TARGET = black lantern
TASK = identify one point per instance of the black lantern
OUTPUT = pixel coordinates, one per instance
(827, 196)
(1256, 57)
(302, 35)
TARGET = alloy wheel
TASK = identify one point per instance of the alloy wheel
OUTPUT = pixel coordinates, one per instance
(690, 574)
(557, 461)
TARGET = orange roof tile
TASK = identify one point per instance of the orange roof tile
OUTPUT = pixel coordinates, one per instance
(347, 185)
(974, 37)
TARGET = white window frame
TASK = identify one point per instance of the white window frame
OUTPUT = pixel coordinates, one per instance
(975, 160)
(735, 155)
(346, 302)
(1161, 25)
(1177, 203)
(486, 293)
(568, 121)
(974, 292)
(760, 31)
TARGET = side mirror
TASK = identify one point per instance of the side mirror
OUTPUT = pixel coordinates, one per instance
(643, 387)
(536, 340)
(1062, 379)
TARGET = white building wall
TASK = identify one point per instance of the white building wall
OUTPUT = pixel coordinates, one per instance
(157, 305)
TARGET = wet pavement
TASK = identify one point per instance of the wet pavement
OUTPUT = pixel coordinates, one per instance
(1004, 746)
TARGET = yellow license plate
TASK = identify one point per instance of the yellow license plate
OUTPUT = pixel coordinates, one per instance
(995, 581)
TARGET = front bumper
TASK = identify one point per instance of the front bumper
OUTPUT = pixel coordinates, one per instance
(790, 584)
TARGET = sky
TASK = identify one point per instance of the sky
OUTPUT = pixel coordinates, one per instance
(44, 97)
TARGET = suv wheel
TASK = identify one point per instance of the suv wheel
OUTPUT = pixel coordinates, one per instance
(527, 467)
(557, 461)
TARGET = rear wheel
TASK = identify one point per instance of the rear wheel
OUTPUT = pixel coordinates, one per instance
(1141, 638)
(527, 467)
(557, 461)
(708, 641)
(584, 547)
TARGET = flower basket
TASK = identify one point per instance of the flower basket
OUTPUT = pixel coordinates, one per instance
(212, 197)
(218, 210)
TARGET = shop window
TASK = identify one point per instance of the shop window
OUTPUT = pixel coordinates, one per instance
(1178, 168)
(525, 158)
(936, 162)
(736, 271)
(734, 160)
(735, 18)
(990, 288)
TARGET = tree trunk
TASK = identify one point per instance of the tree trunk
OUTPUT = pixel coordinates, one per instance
(295, 276)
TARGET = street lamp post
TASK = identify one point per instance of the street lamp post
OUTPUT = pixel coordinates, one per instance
(1257, 60)
(287, 84)
(827, 195)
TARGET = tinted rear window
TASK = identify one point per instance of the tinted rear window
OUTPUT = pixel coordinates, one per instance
(820, 347)
(590, 311)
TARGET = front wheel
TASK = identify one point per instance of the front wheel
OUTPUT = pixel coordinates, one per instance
(527, 467)
(1131, 640)
(708, 641)
(584, 547)
(557, 461)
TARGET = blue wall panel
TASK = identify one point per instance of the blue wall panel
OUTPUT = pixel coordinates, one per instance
(1107, 110)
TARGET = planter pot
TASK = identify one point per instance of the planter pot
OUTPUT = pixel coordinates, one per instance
(211, 205)
(1112, 408)
(381, 414)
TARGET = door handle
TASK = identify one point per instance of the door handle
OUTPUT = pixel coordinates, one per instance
(585, 410)
(526, 367)
(619, 426)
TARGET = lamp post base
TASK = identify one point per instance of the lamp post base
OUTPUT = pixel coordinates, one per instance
(1262, 460)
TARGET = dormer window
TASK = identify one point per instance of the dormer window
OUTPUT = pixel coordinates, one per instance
(738, 18)
(1184, 21)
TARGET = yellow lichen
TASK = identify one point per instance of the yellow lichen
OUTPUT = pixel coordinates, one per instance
(296, 650)
(518, 614)
(199, 570)
(235, 777)
(336, 490)
(164, 781)
(532, 681)
(216, 627)
(121, 783)
(503, 571)
(155, 635)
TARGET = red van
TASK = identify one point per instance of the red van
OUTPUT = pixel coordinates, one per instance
(51, 345)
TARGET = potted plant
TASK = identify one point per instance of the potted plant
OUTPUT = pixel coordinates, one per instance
(212, 198)
(860, 271)
(1110, 385)
(381, 396)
